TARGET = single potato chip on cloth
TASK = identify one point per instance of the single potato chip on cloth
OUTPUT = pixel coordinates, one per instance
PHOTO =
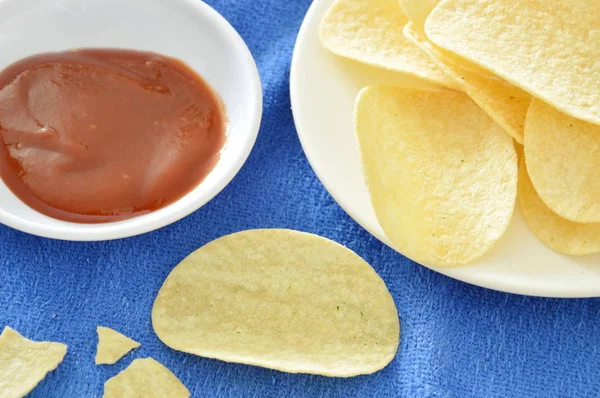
(563, 160)
(548, 48)
(145, 378)
(502, 101)
(112, 346)
(279, 299)
(442, 175)
(24, 363)
(559, 234)
(370, 31)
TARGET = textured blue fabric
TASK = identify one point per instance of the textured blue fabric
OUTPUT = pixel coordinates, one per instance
(457, 340)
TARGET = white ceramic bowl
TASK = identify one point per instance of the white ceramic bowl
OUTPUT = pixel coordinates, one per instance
(185, 29)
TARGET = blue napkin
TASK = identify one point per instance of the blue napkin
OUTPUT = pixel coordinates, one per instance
(457, 340)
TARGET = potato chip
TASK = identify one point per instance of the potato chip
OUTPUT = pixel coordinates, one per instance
(549, 48)
(559, 234)
(280, 299)
(520, 151)
(563, 159)
(361, 75)
(370, 31)
(441, 174)
(145, 378)
(503, 102)
(417, 11)
(24, 363)
(112, 346)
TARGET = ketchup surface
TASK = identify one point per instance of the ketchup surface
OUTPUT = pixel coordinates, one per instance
(99, 135)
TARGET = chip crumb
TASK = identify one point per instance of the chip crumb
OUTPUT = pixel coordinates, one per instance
(145, 378)
(112, 346)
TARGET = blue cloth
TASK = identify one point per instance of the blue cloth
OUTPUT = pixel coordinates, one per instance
(457, 340)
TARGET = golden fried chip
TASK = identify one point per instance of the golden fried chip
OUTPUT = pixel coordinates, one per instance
(441, 174)
(280, 299)
(370, 31)
(557, 233)
(24, 363)
(502, 101)
(563, 159)
(112, 346)
(145, 378)
(549, 48)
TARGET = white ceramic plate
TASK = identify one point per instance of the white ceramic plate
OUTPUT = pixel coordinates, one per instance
(323, 89)
(185, 29)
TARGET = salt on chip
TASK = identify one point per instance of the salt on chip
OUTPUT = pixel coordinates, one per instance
(442, 175)
(112, 346)
(563, 159)
(502, 101)
(279, 299)
(145, 378)
(559, 234)
(370, 31)
(24, 363)
(549, 48)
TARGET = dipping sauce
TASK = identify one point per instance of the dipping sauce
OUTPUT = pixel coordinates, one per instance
(99, 135)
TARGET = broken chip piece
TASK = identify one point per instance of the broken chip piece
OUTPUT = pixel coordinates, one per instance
(112, 346)
(24, 363)
(145, 378)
